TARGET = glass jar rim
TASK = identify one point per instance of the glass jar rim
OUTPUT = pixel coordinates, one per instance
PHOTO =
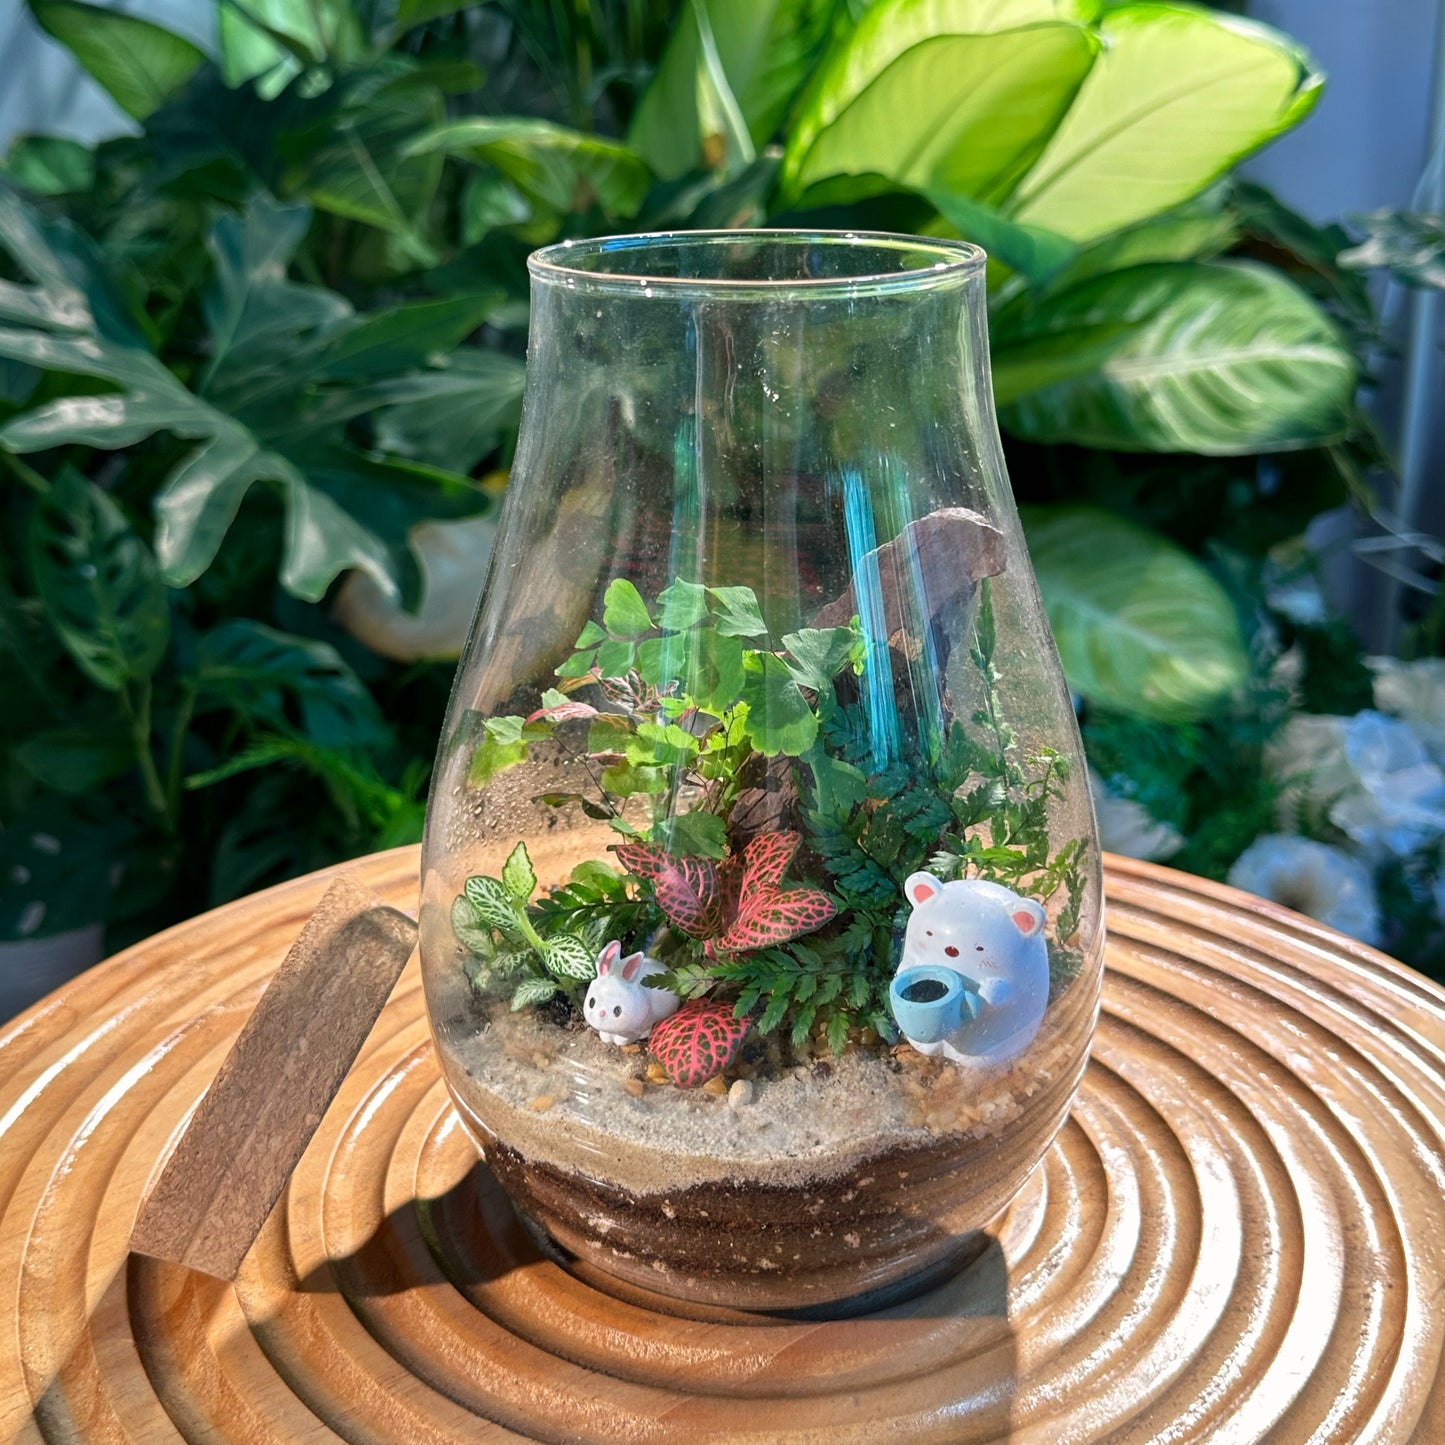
(567, 263)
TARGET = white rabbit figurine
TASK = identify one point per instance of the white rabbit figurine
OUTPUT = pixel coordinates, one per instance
(619, 1005)
(994, 938)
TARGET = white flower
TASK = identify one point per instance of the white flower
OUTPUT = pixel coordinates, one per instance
(1127, 826)
(1369, 774)
(1311, 878)
(1295, 595)
(1415, 693)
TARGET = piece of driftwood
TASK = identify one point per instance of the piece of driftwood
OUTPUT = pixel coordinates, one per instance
(253, 1125)
(926, 575)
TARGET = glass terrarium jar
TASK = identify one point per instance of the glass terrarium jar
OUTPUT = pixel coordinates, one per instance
(761, 916)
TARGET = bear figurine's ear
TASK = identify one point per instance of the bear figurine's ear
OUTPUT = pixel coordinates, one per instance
(920, 887)
(1028, 916)
(630, 966)
(607, 958)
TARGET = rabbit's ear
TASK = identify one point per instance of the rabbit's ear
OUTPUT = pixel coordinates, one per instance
(631, 967)
(607, 958)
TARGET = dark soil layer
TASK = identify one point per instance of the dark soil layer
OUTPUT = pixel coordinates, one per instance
(904, 1214)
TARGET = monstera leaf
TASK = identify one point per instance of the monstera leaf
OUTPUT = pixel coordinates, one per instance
(290, 365)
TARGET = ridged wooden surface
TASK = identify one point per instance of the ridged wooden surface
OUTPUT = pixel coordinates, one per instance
(1240, 1235)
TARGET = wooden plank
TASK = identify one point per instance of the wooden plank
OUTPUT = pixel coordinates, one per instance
(253, 1125)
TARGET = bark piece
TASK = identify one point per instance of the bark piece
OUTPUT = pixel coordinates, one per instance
(253, 1125)
(934, 563)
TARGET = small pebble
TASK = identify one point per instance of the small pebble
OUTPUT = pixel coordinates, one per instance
(541, 1103)
(631, 1048)
(656, 1074)
(741, 1094)
(542, 1061)
(717, 1086)
(801, 1074)
(635, 1087)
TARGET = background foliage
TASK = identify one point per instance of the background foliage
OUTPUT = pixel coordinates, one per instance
(247, 350)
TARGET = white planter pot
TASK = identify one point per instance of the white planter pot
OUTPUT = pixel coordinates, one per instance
(33, 967)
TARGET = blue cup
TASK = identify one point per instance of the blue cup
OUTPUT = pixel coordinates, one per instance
(930, 1002)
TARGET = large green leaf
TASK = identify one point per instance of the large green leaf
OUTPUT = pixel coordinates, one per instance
(561, 168)
(287, 394)
(50, 165)
(1195, 231)
(99, 583)
(140, 64)
(948, 95)
(1036, 254)
(764, 50)
(453, 416)
(258, 320)
(1139, 624)
(1177, 97)
(311, 31)
(1221, 358)
(357, 162)
(291, 684)
(79, 757)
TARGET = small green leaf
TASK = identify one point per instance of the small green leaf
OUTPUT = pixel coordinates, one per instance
(837, 1032)
(518, 875)
(740, 615)
(615, 659)
(682, 605)
(693, 835)
(609, 733)
(568, 957)
(625, 779)
(99, 583)
(504, 743)
(579, 664)
(590, 636)
(493, 905)
(819, 654)
(533, 991)
(665, 744)
(624, 613)
(659, 659)
(715, 669)
(140, 64)
(779, 718)
(470, 931)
